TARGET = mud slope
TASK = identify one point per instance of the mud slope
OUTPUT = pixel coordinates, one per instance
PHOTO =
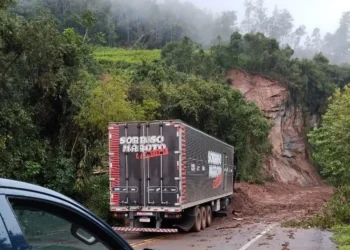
(276, 202)
(289, 162)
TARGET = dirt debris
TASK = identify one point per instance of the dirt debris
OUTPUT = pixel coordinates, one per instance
(274, 202)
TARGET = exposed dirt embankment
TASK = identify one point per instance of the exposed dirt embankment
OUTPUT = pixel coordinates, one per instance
(289, 161)
(275, 202)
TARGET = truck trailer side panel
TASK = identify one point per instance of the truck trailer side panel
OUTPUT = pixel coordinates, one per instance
(208, 166)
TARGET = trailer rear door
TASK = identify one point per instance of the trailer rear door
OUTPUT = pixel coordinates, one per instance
(144, 165)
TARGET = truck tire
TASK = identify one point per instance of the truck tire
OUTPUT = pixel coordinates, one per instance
(198, 220)
(209, 215)
(204, 217)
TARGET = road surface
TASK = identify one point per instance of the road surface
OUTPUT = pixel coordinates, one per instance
(258, 236)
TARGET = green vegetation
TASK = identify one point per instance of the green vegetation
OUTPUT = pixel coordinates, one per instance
(342, 237)
(310, 82)
(107, 54)
(330, 142)
(330, 145)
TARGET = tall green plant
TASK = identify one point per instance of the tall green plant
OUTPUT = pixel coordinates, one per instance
(330, 141)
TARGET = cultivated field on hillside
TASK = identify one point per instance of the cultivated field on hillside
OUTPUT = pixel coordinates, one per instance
(127, 55)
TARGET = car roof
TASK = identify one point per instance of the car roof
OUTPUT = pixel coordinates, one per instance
(24, 186)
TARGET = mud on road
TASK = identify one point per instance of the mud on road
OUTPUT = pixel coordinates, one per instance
(275, 202)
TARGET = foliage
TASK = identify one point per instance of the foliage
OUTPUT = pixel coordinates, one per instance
(210, 106)
(342, 236)
(108, 103)
(223, 113)
(107, 54)
(38, 66)
(310, 82)
(330, 141)
(98, 192)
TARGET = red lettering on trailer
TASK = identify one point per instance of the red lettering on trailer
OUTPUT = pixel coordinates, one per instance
(152, 154)
(217, 182)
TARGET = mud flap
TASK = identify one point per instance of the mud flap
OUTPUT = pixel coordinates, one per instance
(187, 221)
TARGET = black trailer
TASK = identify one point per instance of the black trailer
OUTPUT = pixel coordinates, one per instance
(167, 175)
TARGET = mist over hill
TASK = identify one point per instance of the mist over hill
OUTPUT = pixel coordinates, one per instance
(152, 24)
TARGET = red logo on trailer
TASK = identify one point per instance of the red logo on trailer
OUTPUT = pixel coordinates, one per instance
(217, 182)
(152, 154)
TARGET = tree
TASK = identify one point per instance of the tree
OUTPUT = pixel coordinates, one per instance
(224, 24)
(38, 65)
(330, 142)
(297, 35)
(87, 20)
(280, 24)
(248, 21)
(107, 103)
(316, 40)
(338, 44)
(255, 19)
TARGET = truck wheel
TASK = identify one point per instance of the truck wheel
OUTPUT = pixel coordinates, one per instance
(209, 215)
(204, 218)
(198, 221)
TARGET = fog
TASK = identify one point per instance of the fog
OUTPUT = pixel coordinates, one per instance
(323, 14)
(306, 26)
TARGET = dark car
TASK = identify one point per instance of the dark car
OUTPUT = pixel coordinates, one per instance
(33, 217)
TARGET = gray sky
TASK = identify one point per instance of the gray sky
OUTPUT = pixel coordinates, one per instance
(324, 14)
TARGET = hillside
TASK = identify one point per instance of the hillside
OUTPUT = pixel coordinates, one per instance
(289, 161)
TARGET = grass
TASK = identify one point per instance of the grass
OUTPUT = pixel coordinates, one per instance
(342, 236)
(107, 54)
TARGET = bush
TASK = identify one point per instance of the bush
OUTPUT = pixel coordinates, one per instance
(342, 236)
(98, 199)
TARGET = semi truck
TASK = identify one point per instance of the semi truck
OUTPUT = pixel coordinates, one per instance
(167, 176)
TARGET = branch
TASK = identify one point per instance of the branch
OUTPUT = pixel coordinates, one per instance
(75, 142)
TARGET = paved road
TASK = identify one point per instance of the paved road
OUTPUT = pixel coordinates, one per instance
(258, 236)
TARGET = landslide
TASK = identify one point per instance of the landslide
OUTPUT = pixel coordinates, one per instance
(275, 202)
(289, 161)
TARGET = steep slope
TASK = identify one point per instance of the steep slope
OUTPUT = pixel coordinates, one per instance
(289, 161)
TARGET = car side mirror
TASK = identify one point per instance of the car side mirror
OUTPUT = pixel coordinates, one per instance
(82, 235)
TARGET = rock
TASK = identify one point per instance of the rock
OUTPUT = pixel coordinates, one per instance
(289, 161)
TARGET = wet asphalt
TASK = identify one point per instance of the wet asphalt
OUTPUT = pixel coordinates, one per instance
(259, 236)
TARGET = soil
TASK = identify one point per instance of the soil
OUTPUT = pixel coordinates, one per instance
(289, 160)
(275, 202)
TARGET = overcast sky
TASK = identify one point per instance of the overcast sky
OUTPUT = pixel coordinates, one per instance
(324, 14)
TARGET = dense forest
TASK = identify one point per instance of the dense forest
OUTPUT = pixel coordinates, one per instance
(152, 24)
(56, 100)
